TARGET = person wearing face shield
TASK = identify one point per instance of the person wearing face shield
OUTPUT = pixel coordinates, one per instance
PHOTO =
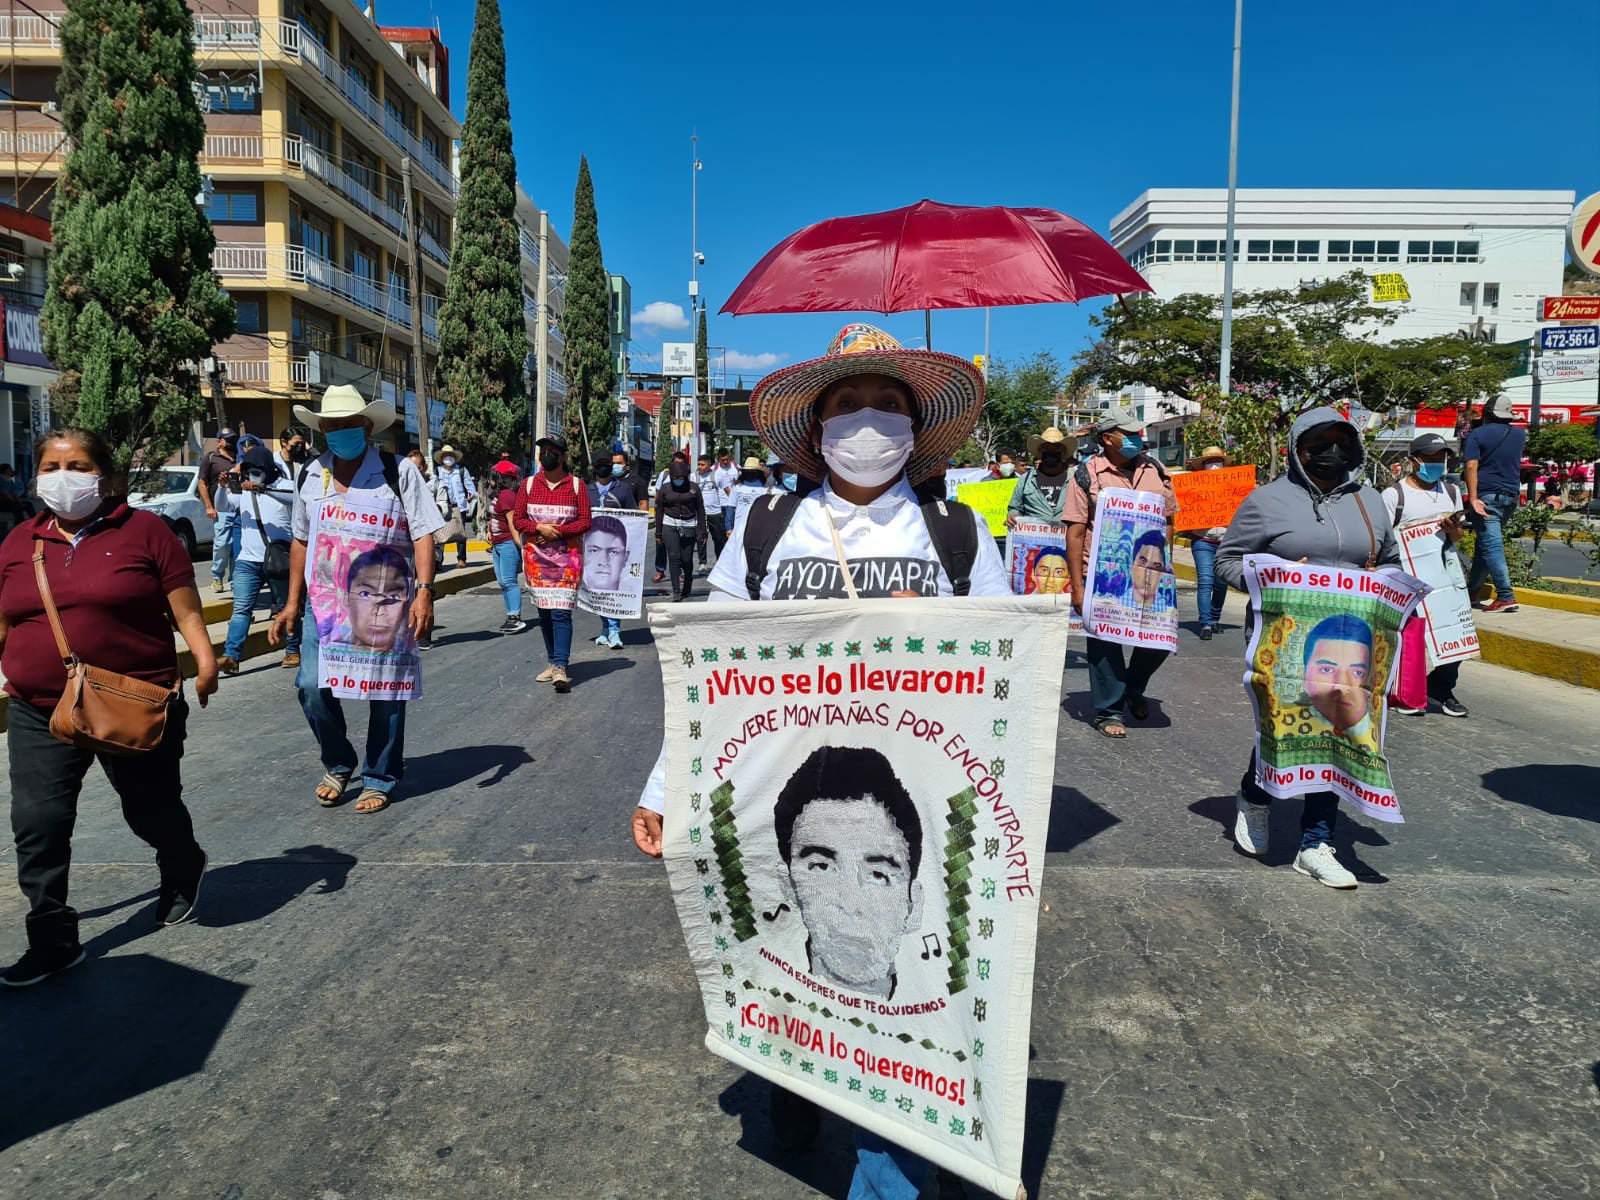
(1422, 497)
(262, 501)
(1115, 682)
(1321, 512)
(1038, 495)
(868, 422)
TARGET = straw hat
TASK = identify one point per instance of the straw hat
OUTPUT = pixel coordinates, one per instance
(1207, 455)
(1051, 437)
(447, 448)
(752, 463)
(948, 390)
(343, 400)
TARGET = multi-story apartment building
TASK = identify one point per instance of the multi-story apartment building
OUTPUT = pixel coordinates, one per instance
(312, 111)
(25, 373)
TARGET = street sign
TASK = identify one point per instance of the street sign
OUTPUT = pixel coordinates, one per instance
(1560, 367)
(1570, 308)
(1583, 235)
(677, 358)
(1570, 337)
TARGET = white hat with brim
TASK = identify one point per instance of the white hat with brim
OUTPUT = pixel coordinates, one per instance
(948, 391)
(343, 401)
(447, 448)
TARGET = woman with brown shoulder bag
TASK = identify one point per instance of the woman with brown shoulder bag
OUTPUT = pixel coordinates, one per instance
(89, 592)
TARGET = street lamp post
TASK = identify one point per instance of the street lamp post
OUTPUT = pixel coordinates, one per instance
(1229, 253)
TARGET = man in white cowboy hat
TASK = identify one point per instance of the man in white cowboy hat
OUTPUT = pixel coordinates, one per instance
(749, 485)
(456, 495)
(1038, 496)
(1115, 684)
(353, 477)
(868, 421)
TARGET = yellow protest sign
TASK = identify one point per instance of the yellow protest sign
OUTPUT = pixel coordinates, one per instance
(1389, 286)
(989, 498)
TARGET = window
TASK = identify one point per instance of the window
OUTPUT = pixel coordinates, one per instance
(1466, 251)
(1469, 296)
(1388, 252)
(249, 315)
(318, 242)
(1257, 251)
(1282, 251)
(1183, 250)
(1491, 297)
(228, 95)
(1339, 251)
(311, 333)
(1416, 251)
(232, 207)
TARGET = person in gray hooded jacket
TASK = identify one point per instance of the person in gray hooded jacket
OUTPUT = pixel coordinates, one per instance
(1319, 511)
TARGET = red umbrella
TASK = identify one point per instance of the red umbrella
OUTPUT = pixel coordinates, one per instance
(935, 256)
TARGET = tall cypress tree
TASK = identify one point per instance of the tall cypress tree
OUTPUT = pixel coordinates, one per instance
(133, 304)
(702, 377)
(664, 420)
(482, 339)
(586, 322)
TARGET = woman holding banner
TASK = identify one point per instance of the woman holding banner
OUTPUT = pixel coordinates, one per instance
(869, 421)
(1319, 512)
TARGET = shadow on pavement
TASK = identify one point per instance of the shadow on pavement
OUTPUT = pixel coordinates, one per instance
(586, 671)
(1285, 834)
(235, 894)
(476, 635)
(1567, 790)
(826, 1167)
(1074, 819)
(106, 1032)
(1038, 1133)
(443, 769)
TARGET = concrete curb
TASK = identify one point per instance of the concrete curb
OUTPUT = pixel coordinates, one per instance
(255, 645)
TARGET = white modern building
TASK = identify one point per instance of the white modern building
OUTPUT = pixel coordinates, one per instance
(1475, 264)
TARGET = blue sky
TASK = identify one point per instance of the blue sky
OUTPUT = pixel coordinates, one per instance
(809, 112)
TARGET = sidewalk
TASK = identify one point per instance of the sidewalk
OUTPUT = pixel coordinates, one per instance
(1542, 641)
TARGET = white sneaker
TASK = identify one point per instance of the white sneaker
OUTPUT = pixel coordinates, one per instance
(1250, 830)
(1319, 863)
(602, 640)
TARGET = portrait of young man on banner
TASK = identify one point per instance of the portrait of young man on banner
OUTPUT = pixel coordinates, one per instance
(1320, 663)
(856, 801)
(361, 585)
(1132, 593)
(613, 563)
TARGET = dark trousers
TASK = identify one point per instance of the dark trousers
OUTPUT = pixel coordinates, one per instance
(680, 557)
(717, 534)
(1442, 680)
(46, 778)
(1112, 680)
(1318, 815)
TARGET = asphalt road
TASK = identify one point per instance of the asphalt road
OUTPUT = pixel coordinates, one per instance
(483, 991)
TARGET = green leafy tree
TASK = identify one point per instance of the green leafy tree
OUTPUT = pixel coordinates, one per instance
(663, 440)
(483, 341)
(586, 323)
(702, 376)
(132, 304)
(1564, 444)
(1020, 397)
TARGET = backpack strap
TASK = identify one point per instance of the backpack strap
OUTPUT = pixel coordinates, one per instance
(764, 523)
(1398, 488)
(954, 533)
(391, 470)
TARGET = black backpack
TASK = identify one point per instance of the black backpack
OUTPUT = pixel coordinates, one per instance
(950, 527)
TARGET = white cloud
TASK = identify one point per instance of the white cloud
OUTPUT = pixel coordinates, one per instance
(662, 314)
(738, 361)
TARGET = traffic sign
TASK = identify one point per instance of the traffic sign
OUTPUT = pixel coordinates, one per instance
(1570, 337)
(1570, 308)
(1583, 235)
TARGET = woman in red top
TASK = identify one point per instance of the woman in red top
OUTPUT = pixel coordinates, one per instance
(553, 516)
(120, 579)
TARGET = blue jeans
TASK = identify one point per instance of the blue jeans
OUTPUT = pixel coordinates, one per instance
(223, 546)
(386, 724)
(247, 580)
(611, 627)
(1209, 595)
(1318, 815)
(1489, 549)
(885, 1171)
(1112, 680)
(556, 625)
(507, 562)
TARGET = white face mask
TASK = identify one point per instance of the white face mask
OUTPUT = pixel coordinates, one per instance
(72, 495)
(448, 460)
(869, 447)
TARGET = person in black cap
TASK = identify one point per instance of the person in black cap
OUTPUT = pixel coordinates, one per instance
(1492, 455)
(1422, 497)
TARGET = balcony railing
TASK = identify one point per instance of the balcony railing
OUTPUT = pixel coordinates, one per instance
(28, 30)
(40, 145)
(234, 260)
(229, 147)
(266, 372)
(324, 167)
(530, 246)
(431, 247)
(218, 32)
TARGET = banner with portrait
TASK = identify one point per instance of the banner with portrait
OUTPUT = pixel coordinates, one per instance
(1318, 669)
(360, 582)
(857, 800)
(1450, 634)
(1036, 561)
(552, 568)
(613, 562)
(1131, 593)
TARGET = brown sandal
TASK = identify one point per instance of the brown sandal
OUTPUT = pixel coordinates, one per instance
(335, 782)
(370, 795)
(1104, 725)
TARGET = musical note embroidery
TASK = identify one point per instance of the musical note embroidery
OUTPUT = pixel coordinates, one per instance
(936, 951)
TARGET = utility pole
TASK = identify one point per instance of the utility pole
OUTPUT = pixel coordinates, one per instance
(541, 334)
(1225, 371)
(695, 303)
(219, 390)
(419, 370)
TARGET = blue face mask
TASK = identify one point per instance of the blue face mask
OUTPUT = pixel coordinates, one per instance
(1132, 445)
(346, 443)
(616, 470)
(1430, 472)
(790, 481)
